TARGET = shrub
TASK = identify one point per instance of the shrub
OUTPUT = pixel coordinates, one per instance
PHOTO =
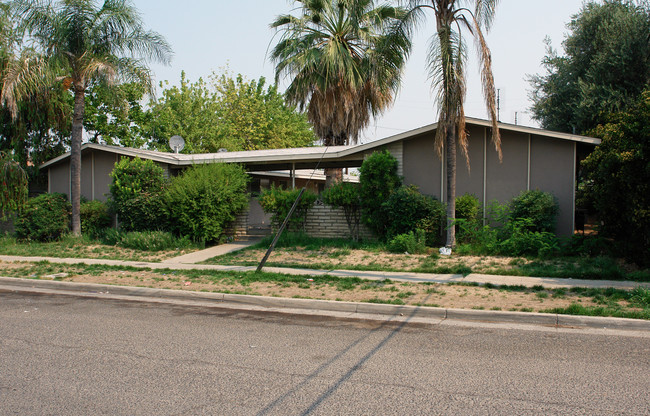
(408, 210)
(540, 207)
(410, 242)
(587, 246)
(137, 195)
(94, 217)
(468, 218)
(377, 182)
(205, 199)
(468, 208)
(521, 241)
(345, 195)
(482, 239)
(506, 235)
(278, 202)
(44, 218)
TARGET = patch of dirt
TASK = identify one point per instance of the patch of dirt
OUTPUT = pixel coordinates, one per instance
(332, 258)
(437, 295)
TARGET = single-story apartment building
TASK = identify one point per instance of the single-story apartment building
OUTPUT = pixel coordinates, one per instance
(532, 159)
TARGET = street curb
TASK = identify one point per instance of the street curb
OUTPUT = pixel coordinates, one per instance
(352, 309)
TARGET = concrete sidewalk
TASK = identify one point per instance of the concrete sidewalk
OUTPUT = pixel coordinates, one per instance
(370, 275)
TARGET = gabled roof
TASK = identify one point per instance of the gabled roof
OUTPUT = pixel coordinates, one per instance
(305, 157)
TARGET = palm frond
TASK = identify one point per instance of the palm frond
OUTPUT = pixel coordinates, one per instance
(344, 58)
(22, 76)
(489, 89)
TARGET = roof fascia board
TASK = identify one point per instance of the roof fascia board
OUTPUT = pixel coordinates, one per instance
(536, 131)
(125, 151)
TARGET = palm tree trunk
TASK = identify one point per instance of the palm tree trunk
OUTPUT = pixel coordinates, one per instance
(75, 160)
(450, 146)
(333, 176)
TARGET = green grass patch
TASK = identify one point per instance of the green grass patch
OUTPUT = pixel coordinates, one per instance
(592, 268)
(128, 246)
(577, 309)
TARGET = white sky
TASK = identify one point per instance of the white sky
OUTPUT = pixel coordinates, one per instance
(206, 35)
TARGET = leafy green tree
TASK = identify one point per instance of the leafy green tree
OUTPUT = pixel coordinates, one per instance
(345, 60)
(229, 113)
(81, 44)
(256, 118)
(188, 110)
(617, 175)
(115, 115)
(447, 57)
(37, 127)
(13, 193)
(604, 69)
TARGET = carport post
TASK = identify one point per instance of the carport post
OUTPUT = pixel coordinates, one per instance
(293, 176)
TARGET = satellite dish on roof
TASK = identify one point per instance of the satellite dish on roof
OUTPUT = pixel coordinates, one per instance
(176, 143)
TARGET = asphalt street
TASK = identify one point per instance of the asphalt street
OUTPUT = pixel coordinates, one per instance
(64, 355)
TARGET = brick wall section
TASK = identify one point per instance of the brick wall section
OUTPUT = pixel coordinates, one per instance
(239, 228)
(324, 221)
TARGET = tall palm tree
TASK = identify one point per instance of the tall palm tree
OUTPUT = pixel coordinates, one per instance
(345, 61)
(82, 43)
(447, 57)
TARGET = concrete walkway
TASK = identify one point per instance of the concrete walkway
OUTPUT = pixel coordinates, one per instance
(208, 253)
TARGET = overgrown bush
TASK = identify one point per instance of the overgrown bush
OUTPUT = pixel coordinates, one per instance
(468, 218)
(588, 246)
(205, 199)
(377, 181)
(137, 195)
(409, 210)
(468, 208)
(278, 202)
(345, 195)
(521, 241)
(411, 242)
(94, 217)
(506, 235)
(44, 218)
(540, 207)
(481, 239)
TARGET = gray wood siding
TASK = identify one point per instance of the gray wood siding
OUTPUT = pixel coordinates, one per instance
(470, 180)
(421, 164)
(551, 170)
(59, 179)
(508, 178)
